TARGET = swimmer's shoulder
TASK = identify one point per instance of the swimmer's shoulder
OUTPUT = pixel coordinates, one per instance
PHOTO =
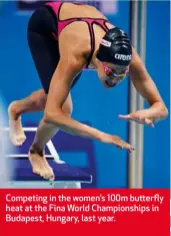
(76, 38)
(80, 10)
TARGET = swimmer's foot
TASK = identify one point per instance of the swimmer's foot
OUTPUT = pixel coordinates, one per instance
(40, 166)
(16, 132)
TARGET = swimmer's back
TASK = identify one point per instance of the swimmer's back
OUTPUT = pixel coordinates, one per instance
(79, 11)
(72, 19)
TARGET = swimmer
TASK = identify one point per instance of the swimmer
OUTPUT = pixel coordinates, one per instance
(63, 42)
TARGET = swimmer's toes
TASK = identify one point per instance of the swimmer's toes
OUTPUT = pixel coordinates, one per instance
(49, 175)
(14, 140)
(17, 140)
(17, 136)
(52, 177)
(21, 139)
(36, 171)
(45, 174)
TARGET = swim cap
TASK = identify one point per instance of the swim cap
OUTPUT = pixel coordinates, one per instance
(115, 48)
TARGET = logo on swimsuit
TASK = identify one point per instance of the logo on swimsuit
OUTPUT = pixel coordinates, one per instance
(123, 57)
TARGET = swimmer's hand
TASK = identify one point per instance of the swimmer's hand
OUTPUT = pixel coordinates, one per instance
(118, 142)
(141, 117)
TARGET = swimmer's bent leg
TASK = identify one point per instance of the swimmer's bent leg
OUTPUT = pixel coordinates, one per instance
(45, 54)
(35, 102)
(44, 133)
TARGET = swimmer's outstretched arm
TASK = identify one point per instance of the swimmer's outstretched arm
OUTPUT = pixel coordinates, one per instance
(62, 79)
(147, 88)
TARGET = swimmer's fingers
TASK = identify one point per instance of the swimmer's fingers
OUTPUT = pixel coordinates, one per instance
(143, 120)
(125, 117)
(149, 122)
(138, 119)
(119, 143)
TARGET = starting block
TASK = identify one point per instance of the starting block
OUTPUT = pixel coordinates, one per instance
(21, 175)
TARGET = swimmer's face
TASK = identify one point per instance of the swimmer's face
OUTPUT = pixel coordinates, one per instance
(110, 74)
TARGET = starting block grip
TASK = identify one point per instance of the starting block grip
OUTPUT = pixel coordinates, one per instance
(22, 171)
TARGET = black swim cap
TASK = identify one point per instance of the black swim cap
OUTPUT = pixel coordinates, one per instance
(115, 48)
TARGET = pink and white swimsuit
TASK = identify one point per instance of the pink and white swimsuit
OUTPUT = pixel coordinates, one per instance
(56, 7)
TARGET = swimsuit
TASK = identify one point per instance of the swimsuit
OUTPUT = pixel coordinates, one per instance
(44, 28)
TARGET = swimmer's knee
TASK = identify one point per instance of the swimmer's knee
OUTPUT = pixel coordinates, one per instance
(38, 99)
(68, 108)
(42, 103)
